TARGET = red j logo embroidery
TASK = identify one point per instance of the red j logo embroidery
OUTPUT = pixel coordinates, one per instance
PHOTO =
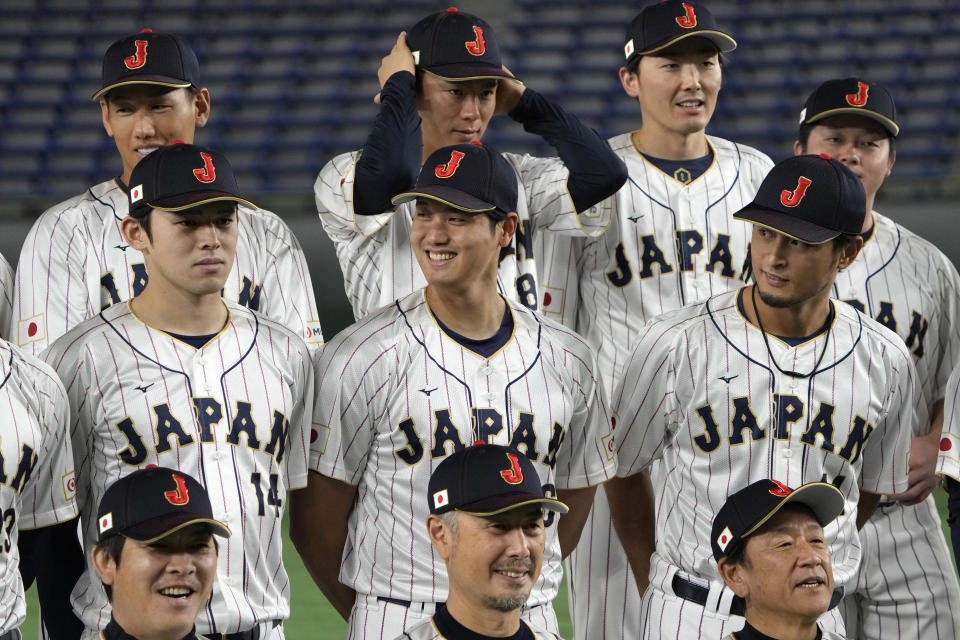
(783, 490)
(450, 168)
(477, 46)
(208, 172)
(859, 98)
(513, 475)
(689, 19)
(178, 496)
(793, 198)
(139, 58)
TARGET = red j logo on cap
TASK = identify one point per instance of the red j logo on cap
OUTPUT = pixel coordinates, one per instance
(793, 198)
(208, 172)
(450, 168)
(783, 490)
(476, 47)
(178, 496)
(689, 19)
(513, 475)
(859, 98)
(139, 58)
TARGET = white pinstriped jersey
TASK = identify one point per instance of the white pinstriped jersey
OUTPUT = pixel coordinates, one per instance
(426, 630)
(7, 279)
(669, 244)
(75, 262)
(628, 276)
(396, 395)
(37, 482)
(906, 284)
(378, 262)
(233, 414)
(948, 461)
(702, 395)
(825, 635)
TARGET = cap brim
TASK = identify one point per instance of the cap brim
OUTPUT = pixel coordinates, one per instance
(162, 527)
(196, 199)
(823, 499)
(450, 197)
(884, 121)
(723, 42)
(795, 228)
(460, 72)
(500, 504)
(161, 81)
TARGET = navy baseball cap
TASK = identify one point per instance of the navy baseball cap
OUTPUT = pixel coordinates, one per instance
(748, 509)
(487, 479)
(470, 177)
(662, 24)
(182, 176)
(149, 58)
(455, 45)
(853, 96)
(809, 198)
(150, 504)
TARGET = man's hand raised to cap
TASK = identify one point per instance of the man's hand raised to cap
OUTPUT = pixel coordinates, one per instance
(400, 58)
(508, 94)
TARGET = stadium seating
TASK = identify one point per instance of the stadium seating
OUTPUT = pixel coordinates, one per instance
(292, 84)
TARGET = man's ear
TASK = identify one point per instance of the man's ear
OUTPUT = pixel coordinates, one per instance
(134, 233)
(105, 116)
(509, 226)
(630, 82)
(201, 107)
(440, 535)
(104, 564)
(733, 576)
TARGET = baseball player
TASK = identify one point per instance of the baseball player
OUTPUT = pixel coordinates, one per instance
(441, 369)
(179, 377)
(155, 554)
(774, 380)
(672, 241)
(487, 524)
(37, 495)
(771, 550)
(440, 85)
(75, 260)
(948, 461)
(909, 286)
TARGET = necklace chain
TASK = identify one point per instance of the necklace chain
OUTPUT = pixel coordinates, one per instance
(766, 342)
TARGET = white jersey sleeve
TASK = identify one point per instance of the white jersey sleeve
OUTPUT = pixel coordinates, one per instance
(948, 459)
(52, 290)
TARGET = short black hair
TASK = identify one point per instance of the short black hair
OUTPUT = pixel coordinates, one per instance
(114, 548)
(803, 137)
(737, 553)
(844, 240)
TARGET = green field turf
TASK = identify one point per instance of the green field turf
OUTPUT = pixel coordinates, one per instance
(313, 619)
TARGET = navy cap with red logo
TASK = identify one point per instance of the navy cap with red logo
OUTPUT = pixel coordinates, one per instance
(747, 510)
(149, 58)
(182, 176)
(150, 504)
(851, 96)
(455, 45)
(470, 177)
(809, 198)
(662, 24)
(487, 479)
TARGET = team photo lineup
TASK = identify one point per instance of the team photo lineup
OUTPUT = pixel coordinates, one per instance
(654, 385)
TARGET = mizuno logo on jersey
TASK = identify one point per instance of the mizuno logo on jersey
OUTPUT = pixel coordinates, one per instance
(727, 379)
(486, 425)
(168, 430)
(788, 411)
(144, 388)
(427, 392)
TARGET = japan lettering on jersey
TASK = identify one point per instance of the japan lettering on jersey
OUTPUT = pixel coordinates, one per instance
(396, 395)
(669, 244)
(701, 394)
(378, 262)
(906, 284)
(75, 262)
(37, 482)
(234, 414)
